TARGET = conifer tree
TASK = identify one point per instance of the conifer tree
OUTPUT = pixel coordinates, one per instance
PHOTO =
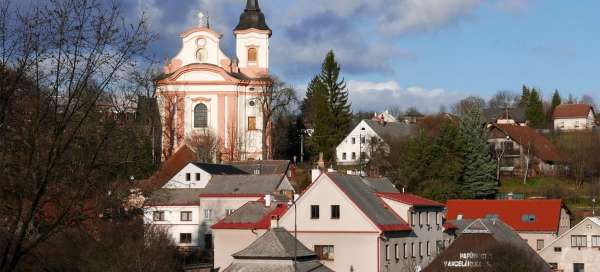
(478, 180)
(339, 106)
(535, 110)
(556, 100)
(320, 116)
(524, 103)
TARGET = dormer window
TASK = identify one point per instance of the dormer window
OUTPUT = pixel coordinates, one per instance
(252, 54)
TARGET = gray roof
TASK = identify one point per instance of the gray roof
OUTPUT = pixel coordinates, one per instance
(265, 167)
(219, 169)
(391, 129)
(243, 184)
(174, 196)
(307, 266)
(498, 229)
(275, 244)
(251, 212)
(381, 184)
(493, 114)
(361, 192)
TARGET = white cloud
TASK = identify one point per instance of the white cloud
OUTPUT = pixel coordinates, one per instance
(368, 95)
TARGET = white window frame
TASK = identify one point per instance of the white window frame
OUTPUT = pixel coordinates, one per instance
(208, 214)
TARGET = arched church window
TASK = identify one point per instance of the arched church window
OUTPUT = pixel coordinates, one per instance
(201, 55)
(200, 116)
(252, 54)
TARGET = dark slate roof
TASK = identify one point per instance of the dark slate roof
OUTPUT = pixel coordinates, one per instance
(365, 197)
(266, 167)
(493, 114)
(243, 185)
(498, 229)
(305, 266)
(392, 129)
(220, 169)
(275, 244)
(184, 196)
(252, 17)
(252, 215)
(380, 185)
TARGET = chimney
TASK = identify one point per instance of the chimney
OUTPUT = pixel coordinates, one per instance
(314, 174)
(268, 200)
(510, 196)
(274, 221)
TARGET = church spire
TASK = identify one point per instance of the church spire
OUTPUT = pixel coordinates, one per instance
(252, 17)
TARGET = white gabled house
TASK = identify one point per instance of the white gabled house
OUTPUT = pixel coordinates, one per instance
(574, 117)
(361, 141)
(365, 224)
(197, 175)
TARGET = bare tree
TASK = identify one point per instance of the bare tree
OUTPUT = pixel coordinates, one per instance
(274, 99)
(59, 60)
(502, 100)
(171, 107)
(206, 145)
(467, 104)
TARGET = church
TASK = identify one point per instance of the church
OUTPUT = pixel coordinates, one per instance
(206, 95)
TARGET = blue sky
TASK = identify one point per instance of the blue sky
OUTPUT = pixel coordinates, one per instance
(423, 53)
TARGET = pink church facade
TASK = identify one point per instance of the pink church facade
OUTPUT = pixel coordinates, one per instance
(206, 94)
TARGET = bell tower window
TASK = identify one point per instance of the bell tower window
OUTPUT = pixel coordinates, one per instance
(200, 116)
(201, 55)
(252, 54)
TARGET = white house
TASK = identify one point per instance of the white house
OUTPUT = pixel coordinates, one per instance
(205, 92)
(574, 117)
(197, 175)
(361, 141)
(576, 250)
(365, 224)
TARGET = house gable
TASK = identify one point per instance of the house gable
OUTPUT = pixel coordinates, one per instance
(585, 226)
(324, 193)
(180, 180)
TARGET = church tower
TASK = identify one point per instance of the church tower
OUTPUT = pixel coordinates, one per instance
(213, 102)
(252, 41)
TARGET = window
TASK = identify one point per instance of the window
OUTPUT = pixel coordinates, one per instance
(188, 176)
(438, 218)
(528, 218)
(387, 252)
(439, 246)
(201, 55)
(354, 155)
(405, 247)
(314, 211)
(578, 241)
(158, 216)
(251, 103)
(557, 249)
(335, 211)
(413, 249)
(539, 244)
(344, 156)
(325, 252)
(185, 238)
(459, 216)
(229, 211)
(207, 214)
(413, 218)
(553, 266)
(596, 240)
(251, 123)
(421, 219)
(362, 140)
(428, 251)
(197, 176)
(252, 54)
(353, 140)
(420, 249)
(200, 116)
(578, 267)
(396, 252)
(491, 216)
(186, 216)
(428, 218)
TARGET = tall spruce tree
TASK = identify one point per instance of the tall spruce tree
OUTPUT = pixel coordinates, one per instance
(524, 101)
(337, 98)
(556, 100)
(535, 110)
(317, 102)
(478, 180)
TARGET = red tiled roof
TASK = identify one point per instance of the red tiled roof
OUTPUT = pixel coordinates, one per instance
(262, 223)
(411, 199)
(174, 164)
(572, 111)
(546, 212)
(540, 145)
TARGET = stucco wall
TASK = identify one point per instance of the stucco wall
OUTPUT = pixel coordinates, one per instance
(346, 146)
(230, 241)
(532, 238)
(179, 180)
(174, 225)
(589, 256)
(574, 123)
